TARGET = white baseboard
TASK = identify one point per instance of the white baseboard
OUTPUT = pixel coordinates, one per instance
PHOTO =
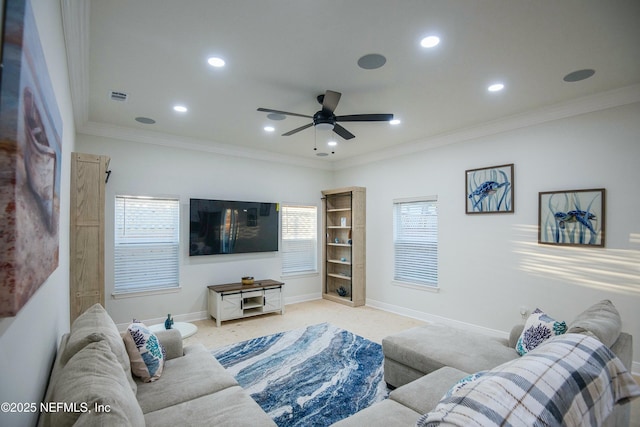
(414, 314)
(204, 315)
(432, 318)
(189, 317)
(426, 317)
(303, 298)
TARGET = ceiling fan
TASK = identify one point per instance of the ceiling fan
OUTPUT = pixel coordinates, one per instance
(326, 120)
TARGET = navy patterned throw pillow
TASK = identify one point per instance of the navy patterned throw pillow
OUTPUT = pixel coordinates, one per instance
(538, 328)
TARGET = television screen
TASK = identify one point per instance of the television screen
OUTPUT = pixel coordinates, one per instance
(232, 227)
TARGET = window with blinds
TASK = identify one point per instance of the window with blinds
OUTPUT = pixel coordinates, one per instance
(147, 236)
(415, 240)
(299, 249)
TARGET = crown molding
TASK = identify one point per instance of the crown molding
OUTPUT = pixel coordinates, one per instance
(76, 17)
(75, 24)
(187, 143)
(588, 104)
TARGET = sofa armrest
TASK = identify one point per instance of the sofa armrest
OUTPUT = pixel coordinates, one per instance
(514, 335)
(623, 348)
(171, 340)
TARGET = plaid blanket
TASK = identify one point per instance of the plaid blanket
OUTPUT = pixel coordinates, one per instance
(569, 380)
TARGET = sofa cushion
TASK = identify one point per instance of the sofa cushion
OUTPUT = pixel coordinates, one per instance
(514, 334)
(431, 347)
(601, 320)
(145, 353)
(229, 407)
(423, 394)
(94, 377)
(96, 325)
(193, 375)
(383, 414)
(571, 379)
(462, 382)
(538, 328)
(171, 342)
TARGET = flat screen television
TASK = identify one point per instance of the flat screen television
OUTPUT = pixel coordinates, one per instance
(232, 227)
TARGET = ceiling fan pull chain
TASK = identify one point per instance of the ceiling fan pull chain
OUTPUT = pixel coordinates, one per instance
(315, 139)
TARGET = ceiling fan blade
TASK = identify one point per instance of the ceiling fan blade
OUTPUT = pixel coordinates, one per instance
(342, 132)
(296, 130)
(365, 118)
(269, 110)
(330, 101)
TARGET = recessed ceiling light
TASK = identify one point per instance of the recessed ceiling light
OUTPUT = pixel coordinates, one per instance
(395, 122)
(180, 108)
(269, 128)
(332, 143)
(496, 87)
(216, 62)
(322, 154)
(430, 41)
(578, 75)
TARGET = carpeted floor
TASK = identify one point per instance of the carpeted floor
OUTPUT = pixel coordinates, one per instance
(312, 376)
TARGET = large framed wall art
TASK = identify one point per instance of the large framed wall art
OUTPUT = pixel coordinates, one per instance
(572, 218)
(30, 162)
(489, 190)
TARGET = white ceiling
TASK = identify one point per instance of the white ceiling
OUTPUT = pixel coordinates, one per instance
(281, 54)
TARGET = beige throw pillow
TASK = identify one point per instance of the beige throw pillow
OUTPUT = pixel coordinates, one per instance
(93, 378)
(601, 320)
(94, 325)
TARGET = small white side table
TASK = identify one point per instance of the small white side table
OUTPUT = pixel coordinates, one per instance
(186, 329)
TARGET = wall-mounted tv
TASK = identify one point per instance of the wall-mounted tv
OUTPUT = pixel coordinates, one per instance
(232, 227)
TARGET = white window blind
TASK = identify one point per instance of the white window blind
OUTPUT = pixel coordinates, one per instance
(415, 239)
(299, 239)
(147, 235)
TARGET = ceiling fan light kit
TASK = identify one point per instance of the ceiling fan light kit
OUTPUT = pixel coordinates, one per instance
(325, 119)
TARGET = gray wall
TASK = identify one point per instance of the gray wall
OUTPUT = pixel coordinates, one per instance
(491, 265)
(28, 341)
(152, 170)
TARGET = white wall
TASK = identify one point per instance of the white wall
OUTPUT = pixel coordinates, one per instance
(28, 341)
(151, 170)
(490, 265)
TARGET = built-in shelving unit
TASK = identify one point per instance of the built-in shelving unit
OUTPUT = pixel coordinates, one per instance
(344, 245)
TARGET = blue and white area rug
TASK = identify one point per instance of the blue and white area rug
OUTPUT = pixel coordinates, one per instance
(311, 376)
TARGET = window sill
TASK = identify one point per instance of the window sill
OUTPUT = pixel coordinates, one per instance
(427, 288)
(300, 274)
(120, 295)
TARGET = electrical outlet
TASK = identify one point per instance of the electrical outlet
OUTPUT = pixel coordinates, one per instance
(524, 312)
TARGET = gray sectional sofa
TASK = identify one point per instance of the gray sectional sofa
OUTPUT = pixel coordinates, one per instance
(92, 377)
(423, 364)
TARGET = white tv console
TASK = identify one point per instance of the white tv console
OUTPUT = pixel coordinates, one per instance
(235, 300)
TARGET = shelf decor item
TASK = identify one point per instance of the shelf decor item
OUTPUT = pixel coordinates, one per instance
(168, 323)
(344, 245)
(489, 190)
(572, 218)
